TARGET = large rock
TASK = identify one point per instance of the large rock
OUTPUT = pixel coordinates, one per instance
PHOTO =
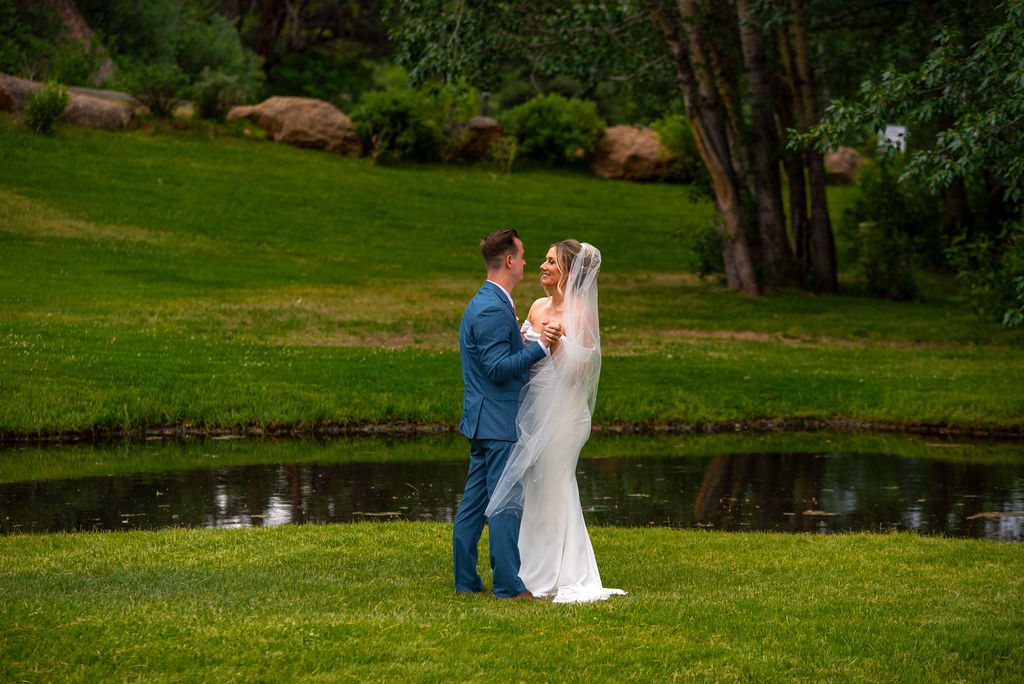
(304, 122)
(481, 133)
(470, 139)
(632, 153)
(842, 165)
(82, 110)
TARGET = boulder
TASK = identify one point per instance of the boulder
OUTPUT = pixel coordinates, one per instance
(632, 153)
(842, 165)
(481, 133)
(470, 139)
(94, 112)
(304, 122)
(82, 110)
(13, 91)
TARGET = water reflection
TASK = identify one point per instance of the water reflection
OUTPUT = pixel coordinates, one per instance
(790, 492)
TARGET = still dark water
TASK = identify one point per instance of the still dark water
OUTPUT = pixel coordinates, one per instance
(807, 491)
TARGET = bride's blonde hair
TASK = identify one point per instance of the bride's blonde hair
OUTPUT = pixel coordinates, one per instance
(565, 254)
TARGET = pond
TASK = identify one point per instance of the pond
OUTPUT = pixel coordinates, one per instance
(801, 483)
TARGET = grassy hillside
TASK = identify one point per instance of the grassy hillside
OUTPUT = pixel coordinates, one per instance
(207, 277)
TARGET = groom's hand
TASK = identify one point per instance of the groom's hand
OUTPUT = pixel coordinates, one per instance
(551, 335)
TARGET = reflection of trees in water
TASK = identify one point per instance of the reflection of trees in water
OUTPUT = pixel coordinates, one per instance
(785, 492)
(760, 491)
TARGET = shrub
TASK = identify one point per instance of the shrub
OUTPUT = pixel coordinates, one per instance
(706, 251)
(503, 153)
(399, 124)
(43, 107)
(216, 92)
(75, 63)
(457, 103)
(180, 45)
(991, 268)
(319, 76)
(158, 86)
(676, 133)
(888, 228)
(554, 129)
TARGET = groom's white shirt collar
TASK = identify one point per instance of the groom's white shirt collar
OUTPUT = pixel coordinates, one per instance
(508, 295)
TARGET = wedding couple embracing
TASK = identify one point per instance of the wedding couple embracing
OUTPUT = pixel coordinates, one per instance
(529, 397)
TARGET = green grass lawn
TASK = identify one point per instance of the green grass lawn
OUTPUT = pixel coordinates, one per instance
(374, 601)
(205, 278)
(208, 278)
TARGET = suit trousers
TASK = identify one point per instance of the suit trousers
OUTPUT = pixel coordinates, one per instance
(486, 462)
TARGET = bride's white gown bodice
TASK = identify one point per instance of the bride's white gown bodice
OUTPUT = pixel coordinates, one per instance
(557, 556)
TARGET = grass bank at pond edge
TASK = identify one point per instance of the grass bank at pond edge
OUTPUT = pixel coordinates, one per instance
(60, 461)
(333, 430)
(375, 601)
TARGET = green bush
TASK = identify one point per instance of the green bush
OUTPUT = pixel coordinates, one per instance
(554, 129)
(216, 92)
(32, 46)
(313, 75)
(503, 153)
(888, 229)
(676, 133)
(44, 107)
(75, 63)
(160, 86)
(991, 268)
(706, 250)
(399, 124)
(167, 47)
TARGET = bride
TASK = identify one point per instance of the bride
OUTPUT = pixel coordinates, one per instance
(539, 480)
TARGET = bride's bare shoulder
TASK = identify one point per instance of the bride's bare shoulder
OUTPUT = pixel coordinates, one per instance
(535, 309)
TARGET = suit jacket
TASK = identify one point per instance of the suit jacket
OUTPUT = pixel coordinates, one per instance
(495, 365)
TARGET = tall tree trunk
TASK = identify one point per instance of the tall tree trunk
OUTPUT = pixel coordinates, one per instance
(793, 161)
(793, 164)
(776, 255)
(271, 22)
(234, 13)
(705, 111)
(823, 250)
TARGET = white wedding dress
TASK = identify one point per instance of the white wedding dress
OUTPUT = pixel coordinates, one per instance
(539, 479)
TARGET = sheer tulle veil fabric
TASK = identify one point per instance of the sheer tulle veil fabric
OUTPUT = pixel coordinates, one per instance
(562, 391)
(539, 480)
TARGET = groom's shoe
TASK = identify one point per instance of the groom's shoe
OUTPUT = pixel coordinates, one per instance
(524, 594)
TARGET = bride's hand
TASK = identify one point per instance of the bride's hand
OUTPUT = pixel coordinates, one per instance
(551, 335)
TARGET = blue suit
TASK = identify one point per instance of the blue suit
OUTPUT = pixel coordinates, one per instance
(495, 367)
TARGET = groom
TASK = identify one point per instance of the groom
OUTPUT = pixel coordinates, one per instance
(495, 367)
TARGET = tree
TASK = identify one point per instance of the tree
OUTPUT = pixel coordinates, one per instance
(969, 92)
(722, 58)
(972, 91)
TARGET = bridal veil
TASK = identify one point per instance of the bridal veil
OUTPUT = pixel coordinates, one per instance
(562, 391)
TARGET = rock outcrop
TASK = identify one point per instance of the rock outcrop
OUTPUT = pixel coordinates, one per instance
(481, 133)
(82, 110)
(632, 153)
(842, 165)
(304, 122)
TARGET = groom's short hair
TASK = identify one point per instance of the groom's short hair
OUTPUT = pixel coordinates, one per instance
(496, 246)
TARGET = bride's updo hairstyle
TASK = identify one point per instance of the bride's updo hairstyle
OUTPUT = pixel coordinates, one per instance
(565, 254)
